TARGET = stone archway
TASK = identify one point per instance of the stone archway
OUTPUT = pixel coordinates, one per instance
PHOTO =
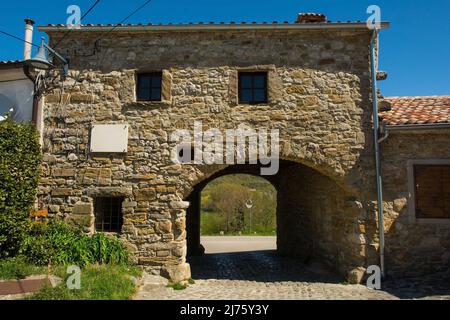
(316, 217)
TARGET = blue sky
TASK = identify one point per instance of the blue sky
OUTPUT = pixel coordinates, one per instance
(415, 50)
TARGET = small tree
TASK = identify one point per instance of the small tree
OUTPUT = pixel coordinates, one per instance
(20, 158)
(229, 200)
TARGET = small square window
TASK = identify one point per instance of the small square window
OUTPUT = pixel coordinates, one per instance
(253, 87)
(108, 214)
(149, 86)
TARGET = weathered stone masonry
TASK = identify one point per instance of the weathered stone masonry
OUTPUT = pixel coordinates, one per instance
(412, 247)
(319, 99)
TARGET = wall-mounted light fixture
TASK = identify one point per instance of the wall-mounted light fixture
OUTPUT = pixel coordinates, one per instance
(42, 61)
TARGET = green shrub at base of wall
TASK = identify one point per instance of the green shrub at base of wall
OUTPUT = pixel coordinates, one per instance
(59, 243)
(20, 158)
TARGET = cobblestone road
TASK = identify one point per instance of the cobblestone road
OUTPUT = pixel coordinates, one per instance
(264, 275)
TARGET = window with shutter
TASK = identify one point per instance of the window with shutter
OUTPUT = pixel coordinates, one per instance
(432, 191)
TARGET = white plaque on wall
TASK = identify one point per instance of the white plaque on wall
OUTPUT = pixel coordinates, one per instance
(109, 138)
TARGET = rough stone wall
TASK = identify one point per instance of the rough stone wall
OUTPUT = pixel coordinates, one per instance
(318, 99)
(412, 247)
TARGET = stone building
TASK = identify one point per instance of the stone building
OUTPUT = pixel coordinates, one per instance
(416, 173)
(107, 147)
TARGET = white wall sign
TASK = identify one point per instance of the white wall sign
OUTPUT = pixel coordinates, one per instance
(109, 138)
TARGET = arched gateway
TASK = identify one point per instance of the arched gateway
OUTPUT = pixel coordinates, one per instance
(316, 217)
(107, 136)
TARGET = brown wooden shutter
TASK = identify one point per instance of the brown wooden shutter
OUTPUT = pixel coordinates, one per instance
(432, 191)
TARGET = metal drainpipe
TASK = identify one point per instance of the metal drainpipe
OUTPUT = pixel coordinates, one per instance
(377, 152)
(385, 132)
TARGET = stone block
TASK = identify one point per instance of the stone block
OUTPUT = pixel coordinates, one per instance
(300, 89)
(145, 231)
(179, 204)
(53, 208)
(63, 172)
(81, 220)
(163, 253)
(299, 74)
(180, 224)
(135, 218)
(78, 97)
(177, 273)
(146, 194)
(165, 226)
(62, 192)
(129, 204)
(166, 86)
(83, 208)
(356, 275)
(100, 176)
(161, 189)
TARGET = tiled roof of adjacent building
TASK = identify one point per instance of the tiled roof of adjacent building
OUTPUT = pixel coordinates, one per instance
(417, 110)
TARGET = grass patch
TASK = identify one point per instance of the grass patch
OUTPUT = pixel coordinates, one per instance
(98, 282)
(191, 281)
(18, 268)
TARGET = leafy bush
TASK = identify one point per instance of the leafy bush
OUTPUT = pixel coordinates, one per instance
(20, 158)
(60, 243)
(211, 223)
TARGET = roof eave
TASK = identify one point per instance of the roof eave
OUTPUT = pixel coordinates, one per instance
(11, 64)
(194, 27)
(427, 126)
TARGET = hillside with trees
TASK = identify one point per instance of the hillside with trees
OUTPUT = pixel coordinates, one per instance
(226, 201)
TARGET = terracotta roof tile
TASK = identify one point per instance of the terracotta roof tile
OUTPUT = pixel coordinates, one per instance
(417, 110)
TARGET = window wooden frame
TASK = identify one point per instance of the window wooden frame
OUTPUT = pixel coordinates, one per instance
(413, 218)
(252, 87)
(152, 86)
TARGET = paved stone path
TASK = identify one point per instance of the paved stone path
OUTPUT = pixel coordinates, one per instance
(225, 244)
(263, 275)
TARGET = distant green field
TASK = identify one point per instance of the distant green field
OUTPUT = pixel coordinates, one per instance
(225, 210)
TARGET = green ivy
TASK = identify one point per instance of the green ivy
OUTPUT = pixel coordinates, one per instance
(20, 158)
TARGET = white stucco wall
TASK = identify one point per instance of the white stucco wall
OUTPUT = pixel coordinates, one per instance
(16, 92)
